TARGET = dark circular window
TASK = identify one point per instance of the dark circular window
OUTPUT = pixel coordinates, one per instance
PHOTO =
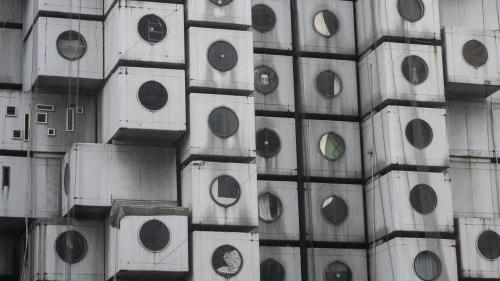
(411, 10)
(332, 146)
(488, 244)
(338, 271)
(423, 199)
(223, 122)
(268, 143)
(270, 207)
(271, 270)
(427, 266)
(221, 2)
(71, 247)
(152, 28)
(263, 18)
(328, 84)
(414, 69)
(475, 53)
(71, 45)
(66, 179)
(227, 261)
(334, 209)
(326, 23)
(225, 191)
(154, 235)
(222, 56)
(419, 133)
(153, 95)
(266, 79)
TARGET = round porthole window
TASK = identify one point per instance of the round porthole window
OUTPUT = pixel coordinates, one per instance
(71, 45)
(223, 122)
(222, 56)
(152, 28)
(326, 23)
(427, 266)
(266, 79)
(153, 95)
(221, 2)
(338, 271)
(263, 18)
(271, 270)
(414, 69)
(71, 247)
(227, 261)
(66, 179)
(475, 53)
(332, 146)
(488, 244)
(268, 143)
(328, 84)
(225, 191)
(423, 199)
(334, 209)
(411, 10)
(419, 133)
(154, 235)
(270, 207)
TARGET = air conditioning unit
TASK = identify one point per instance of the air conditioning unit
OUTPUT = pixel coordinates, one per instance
(273, 82)
(62, 55)
(472, 62)
(220, 256)
(219, 125)
(395, 71)
(334, 212)
(221, 194)
(10, 256)
(414, 259)
(220, 58)
(329, 86)
(280, 263)
(143, 32)
(275, 146)
(405, 136)
(332, 149)
(326, 26)
(475, 187)
(146, 240)
(479, 248)
(12, 11)
(235, 14)
(278, 210)
(11, 50)
(401, 201)
(479, 14)
(393, 18)
(271, 25)
(337, 264)
(61, 250)
(143, 105)
(93, 175)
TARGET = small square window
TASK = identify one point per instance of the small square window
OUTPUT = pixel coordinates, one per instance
(10, 111)
(70, 119)
(41, 118)
(80, 110)
(17, 134)
(51, 132)
(45, 107)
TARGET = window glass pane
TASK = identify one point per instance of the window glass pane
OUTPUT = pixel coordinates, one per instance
(338, 271)
(227, 261)
(223, 122)
(265, 79)
(71, 45)
(326, 23)
(268, 143)
(71, 247)
(222, 56)
(328, 84)
(419, 133)
(263, 18)
(475, 53)
(427, 266)
(153, 95)
(225, 190)
(423, 199)
(221, 2)
(414, 69)
(332, 146)
(271, 270)
(411, 10)
(488, 245)
(152, 28)
(270, 207)
(154, 235)
(334, 210)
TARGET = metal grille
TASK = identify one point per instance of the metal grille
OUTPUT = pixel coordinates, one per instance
(153, 95)
(326, 23)
(227, 261)
(71, 45)
(332, 146)
(152, 28)
(268, 143)
(225, 190)
(270, 207)
(154, 235)
(419, 133)
(414, 69)
(222, 56)
(423, 199)
(488, 244)
(475, 53)
(71, 247)
(334, 209)
(223, 122)
(263, 18)
(411, 10)
(271, 270)
(328, 84)
(266, 79)
(338, 271)
(427, 266)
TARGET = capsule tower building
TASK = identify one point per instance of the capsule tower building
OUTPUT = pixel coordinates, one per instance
(246, 140)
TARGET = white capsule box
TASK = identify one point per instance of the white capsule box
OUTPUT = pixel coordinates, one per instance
(219, 125)
(11, 51)
(93, 175)
(332, 149)
(335, 212)
(278, 210)
(401, 201)
(221, 256)
(221, 194)
(143, 32)
(331, 264)
(393, 18)
(219, 12)
(280, 263)
(139, 105)
(404, 72)
(326, 26)
(414, 259)
(273, 81)
(479, 14)
(271, 25)
(401, 136)
(220, 59)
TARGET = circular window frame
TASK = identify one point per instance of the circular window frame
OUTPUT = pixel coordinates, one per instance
(324, 156)
(281, 209)
(326, 219)
(237, 122)
(485, 48)
(333, 262)
(427, 125)
(319, 33)
(277, 80)
(274, 18)
(438, 259)
(225, 275)
(435, 196)
(139, 236)
(277, 262)
(218, 68)
(316, 84)
(213, 198)
(426, 70)
(147, 42)
(218, 5)
(148, 109)
(81, 37)
(279, 138)
(477, 245)
(411, 21)
(86, 248)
